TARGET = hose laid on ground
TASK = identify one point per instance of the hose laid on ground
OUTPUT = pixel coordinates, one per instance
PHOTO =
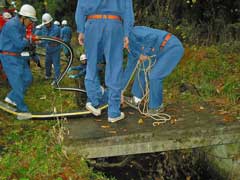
(23, 116)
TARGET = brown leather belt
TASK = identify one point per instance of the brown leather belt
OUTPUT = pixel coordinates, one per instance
(166, 39)
(104, 16)
(10, 53)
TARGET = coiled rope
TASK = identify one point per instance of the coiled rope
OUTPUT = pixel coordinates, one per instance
(158, 117)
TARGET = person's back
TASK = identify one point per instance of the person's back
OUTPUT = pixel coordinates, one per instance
(12, 29)
(156, 52)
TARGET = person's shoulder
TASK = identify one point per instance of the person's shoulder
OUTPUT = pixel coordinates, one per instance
(12, 23)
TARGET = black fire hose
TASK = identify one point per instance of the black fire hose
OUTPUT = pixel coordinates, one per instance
(70, 59)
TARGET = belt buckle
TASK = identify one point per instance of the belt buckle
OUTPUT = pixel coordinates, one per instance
(104, 16)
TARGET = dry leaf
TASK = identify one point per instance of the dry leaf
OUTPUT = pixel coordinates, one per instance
(105, 127)
(173, 121)
(228, 118)
(131, 113)
(201, 107)
(222, 112)
(140, 121)
(113, 132)
(98, 120)
(43, 97)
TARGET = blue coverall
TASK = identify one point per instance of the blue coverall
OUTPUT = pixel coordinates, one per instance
(104, 36)
(16, 67)
(66, 36)
(38, 31)
(52, 51)
(82, 71)
(147, 41)
(36, 57)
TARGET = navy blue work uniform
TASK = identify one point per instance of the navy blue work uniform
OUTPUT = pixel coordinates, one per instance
(15, 66)
(104, 36)
(165, 51)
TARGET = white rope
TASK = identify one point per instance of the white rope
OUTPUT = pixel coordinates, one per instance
(158, 117)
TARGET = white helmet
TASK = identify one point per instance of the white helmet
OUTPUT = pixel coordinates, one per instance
(7, 15)
(46, 18)
(28, 11)
(64, 22)
(56, 23)
(83, 57)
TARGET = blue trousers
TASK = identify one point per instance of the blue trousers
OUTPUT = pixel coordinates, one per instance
(20, 77)
(104, 38)
(53, 58)
(165, 62)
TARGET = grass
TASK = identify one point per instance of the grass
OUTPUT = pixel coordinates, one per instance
(214, 74)
(33, 150)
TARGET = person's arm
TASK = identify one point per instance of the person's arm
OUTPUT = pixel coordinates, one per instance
(75, 68)
(128, 20)
(19, 40)
(80, 18)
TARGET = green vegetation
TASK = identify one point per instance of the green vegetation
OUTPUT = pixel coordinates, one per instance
(32, 152)
(208, 72)
(33, 149)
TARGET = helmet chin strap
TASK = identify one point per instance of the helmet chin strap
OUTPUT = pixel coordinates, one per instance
(23, 20)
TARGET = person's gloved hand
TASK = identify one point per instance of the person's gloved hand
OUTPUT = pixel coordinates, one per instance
(32, 48)
(73, 76)
(32, 38)
(70, 70)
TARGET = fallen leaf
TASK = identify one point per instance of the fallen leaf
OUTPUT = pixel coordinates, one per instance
(201, 107)
(98, 120)
(228, 118)
(131, 113)
(140, 121)
(173, 121)
(105, 127)
(222, 112)
(43, 97)
(113, 132)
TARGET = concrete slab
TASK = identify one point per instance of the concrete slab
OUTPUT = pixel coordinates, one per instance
(195, 127)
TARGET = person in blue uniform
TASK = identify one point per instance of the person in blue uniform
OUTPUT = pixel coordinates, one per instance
(38, 30)
(13, 42)
(103, 27)
(157, 49)
(66, 36)
(53, 49)
(81, 68)
(6, 16)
